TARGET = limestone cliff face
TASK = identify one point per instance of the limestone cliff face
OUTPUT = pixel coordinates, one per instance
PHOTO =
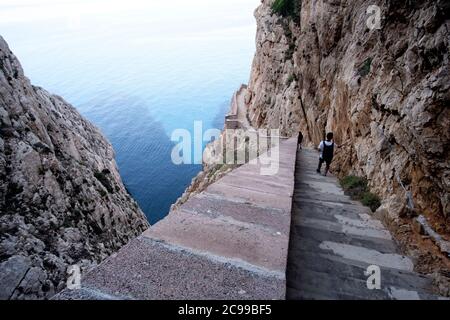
(62, 201)
(385, 93)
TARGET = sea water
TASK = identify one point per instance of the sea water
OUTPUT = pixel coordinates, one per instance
(138, 70)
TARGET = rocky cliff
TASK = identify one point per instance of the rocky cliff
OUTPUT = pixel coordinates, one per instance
(62, 201)
(383, 92)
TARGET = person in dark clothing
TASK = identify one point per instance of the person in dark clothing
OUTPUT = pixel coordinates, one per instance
(326, 149)
(300, 140)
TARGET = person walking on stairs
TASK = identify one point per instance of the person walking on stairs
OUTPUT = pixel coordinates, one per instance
(326, 149)
(300, 140)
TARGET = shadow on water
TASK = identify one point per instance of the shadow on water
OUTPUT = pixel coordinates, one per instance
(219, 119)
(143, 154)
(138, 73)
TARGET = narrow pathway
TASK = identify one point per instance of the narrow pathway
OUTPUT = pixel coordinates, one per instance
(242, 108)
(334, 240)
(237, 117)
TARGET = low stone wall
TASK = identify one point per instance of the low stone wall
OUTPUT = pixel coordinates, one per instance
(228, 242)
(236, 118)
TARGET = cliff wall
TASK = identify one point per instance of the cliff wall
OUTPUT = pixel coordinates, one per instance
(62, 201)
(383, 92)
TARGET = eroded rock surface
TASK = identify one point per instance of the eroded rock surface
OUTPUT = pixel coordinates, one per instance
(62, 201)
(385, 93)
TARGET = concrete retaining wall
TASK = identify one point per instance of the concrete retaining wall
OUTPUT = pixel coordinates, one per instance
(228, 242)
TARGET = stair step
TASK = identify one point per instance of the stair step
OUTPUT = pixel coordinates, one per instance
(329, 267)
(355, 228)
(335, 239)
(300, 194)
(309, 239)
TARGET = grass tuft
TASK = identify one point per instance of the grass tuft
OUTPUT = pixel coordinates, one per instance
(286, 8)
(357, 189)
(371, 200)
(364, 70)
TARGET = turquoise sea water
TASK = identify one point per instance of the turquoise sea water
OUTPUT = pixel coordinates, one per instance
(138, 70)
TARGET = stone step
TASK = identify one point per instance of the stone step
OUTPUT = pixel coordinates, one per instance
(335, 239)
(339, 272)
(362, 255)
(309, 239)
(352, 209)
(346, 288)
(334, 288)
(351, 227)
(316, 209)
(331, 266)
(309, 292)
(320, 187)
(314, 176)
(300, 194)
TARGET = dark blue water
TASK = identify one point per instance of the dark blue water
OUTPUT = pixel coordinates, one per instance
(138, 70)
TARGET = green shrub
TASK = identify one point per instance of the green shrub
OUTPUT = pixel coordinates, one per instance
(286, 8)
(364, 70)
(357, 189)
(354, 182)
(371, 200)
(290, 79)
(290, 52)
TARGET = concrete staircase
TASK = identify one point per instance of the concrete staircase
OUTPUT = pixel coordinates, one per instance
(228, 242)
(334, 240)
(234, 241)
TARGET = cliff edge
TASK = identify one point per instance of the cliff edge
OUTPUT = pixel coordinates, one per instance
(62, 201)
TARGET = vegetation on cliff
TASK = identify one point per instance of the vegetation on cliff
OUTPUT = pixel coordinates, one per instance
(383, 91)
(358, 189)
(287, 8)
